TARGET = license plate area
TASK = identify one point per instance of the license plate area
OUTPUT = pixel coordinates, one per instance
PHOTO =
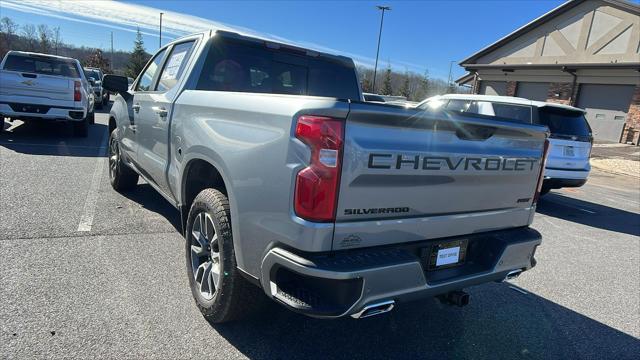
(447, 254)
(569, 151)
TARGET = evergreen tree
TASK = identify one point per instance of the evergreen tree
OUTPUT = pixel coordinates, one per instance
(426, 83)
(366, 85)
(405, 91)
(139, 57)
(387, 89)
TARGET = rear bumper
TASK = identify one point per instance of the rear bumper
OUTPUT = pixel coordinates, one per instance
(559, 178)
(345, 282)
(46, 113)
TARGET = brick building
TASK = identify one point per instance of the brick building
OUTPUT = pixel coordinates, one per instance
(584, 53)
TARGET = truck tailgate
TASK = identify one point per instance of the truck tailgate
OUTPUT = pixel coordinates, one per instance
(36, 86)
(411, 175)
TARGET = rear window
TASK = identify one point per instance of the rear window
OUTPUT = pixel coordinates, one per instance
(95, 74)
(241, 67)
(501, 111)
(41, 65)
(565, 123)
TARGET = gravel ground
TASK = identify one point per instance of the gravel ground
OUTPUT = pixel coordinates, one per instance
(120, 289)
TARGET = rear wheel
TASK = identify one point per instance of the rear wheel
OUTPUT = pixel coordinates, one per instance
(220, 291)
(121, 176)
(544, 191)
(81, 128)
(92, 117)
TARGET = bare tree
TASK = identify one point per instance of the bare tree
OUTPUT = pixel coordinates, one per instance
(8, 30)
(31, 36)
(44, 34)
(56, 38)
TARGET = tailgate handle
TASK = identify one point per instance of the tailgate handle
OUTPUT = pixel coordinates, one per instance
(27, 75)
(474, 132)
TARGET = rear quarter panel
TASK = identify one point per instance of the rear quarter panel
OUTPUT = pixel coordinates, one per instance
(249, 139)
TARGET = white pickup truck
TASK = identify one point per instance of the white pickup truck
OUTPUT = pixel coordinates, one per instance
(40, 87)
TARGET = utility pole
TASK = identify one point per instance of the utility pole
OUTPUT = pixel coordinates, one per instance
(111, 52)
(449, 78)
(375, 69)
(159, 46)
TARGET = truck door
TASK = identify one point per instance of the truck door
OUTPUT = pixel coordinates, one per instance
(143, 86)
(153, 117)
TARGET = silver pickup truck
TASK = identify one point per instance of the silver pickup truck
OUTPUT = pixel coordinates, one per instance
(288, 182)
(45, 88)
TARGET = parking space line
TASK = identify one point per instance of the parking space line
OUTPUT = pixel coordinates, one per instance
(86, 221)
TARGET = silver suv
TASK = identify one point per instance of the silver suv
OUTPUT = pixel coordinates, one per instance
(570, 140)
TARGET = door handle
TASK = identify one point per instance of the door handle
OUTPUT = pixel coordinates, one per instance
(162, 112)
(136, 107)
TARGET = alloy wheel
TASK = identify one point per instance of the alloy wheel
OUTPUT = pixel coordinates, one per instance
(205, 255)
(114, 157)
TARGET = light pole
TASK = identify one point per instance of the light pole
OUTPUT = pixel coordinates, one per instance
(159, 46)
(375, 69)
(449, 79)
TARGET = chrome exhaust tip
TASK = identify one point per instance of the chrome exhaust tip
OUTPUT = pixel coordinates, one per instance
(513, 274)
(375, 309)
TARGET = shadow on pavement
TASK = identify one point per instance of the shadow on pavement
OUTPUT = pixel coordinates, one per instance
(54, 138)
(500, 323)
(590, 214)
(151, 200)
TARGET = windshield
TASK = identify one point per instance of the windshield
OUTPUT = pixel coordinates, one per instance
(565, 123)
(41, 65)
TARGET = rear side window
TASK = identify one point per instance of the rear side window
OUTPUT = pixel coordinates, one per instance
(563, 123)
(175, 66)
(501, 111)
(41, 65)
(242, 67)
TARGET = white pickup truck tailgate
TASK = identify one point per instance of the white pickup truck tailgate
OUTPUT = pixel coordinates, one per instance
(38, 87)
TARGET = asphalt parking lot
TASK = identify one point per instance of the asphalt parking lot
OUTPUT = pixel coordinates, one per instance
(86, 272)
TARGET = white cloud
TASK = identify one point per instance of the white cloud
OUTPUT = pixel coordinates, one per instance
(127, 17)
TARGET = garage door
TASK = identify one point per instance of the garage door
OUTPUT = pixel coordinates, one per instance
(533, 90)
(493, 88)
(607, 107)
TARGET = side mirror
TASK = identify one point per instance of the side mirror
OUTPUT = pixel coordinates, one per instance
(115, 83)
(91, 82)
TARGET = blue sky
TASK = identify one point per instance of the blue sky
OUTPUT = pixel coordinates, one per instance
(417, 35)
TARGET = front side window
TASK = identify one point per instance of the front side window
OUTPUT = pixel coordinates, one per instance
(146, 80)
(175, 66)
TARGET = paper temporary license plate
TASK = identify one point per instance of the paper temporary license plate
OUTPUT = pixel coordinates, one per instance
(568, 151)
(447, 254)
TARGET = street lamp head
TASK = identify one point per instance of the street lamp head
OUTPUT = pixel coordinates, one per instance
(383, 7)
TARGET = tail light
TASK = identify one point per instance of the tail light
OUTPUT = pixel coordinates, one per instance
(316, 192)
(543, 163)
(76, 91)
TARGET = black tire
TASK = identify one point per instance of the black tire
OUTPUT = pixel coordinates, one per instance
(233, 296)
(92, 117)
(81, 128)
(121, 176)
